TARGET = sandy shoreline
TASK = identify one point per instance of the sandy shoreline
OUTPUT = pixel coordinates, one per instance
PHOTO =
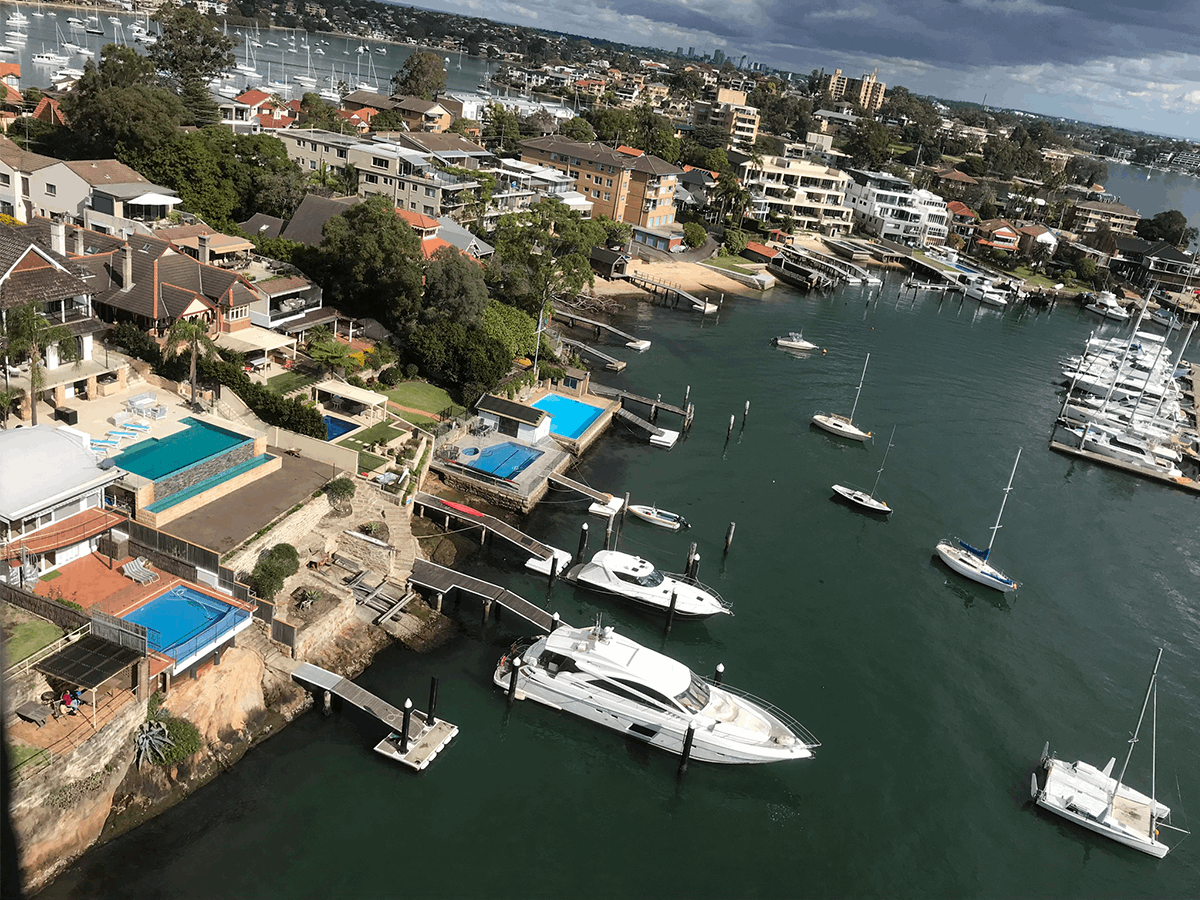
(692, 277)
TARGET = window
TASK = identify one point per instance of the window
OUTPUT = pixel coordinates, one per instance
(313, 146)
(608, 196)
(379, 162)
(430, 192)
(370, 178)
(341, 153)
(429, 211)
(5, 179)
(312, 163)
(608, 182)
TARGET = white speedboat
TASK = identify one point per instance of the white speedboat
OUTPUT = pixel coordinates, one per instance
(636, 580)
(1105, 304)
(660, 517)
(793, 340)
(971, 562)
(862, 499)
(985, 291)
(844, 426)
(606, 678)
(1092, 798)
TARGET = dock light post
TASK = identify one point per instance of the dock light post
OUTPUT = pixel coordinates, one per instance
(719, 675)
(583, 536)
(512, 679)
(404, 728)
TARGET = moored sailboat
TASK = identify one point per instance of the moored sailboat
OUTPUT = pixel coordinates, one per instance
(973, 563)
(862, 499)
(844, 426)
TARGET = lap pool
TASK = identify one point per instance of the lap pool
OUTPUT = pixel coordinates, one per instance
(504, 460)
(335, 427)
(569, 418)
(183, 621)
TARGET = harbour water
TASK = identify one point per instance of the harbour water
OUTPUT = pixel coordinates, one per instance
(932, 695)
(1158, 193)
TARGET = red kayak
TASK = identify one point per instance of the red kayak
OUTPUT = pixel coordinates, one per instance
(462, 509)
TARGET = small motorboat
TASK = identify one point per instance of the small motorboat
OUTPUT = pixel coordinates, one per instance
(793, 340)
(638, 581)
(1105, 304)
(660, 517)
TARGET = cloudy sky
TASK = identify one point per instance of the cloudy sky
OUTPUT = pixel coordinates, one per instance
(1135, 64)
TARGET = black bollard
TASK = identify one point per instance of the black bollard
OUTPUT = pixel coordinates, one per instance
(512, 678)
(433, 686)
(553, 569)
(687, 749)
(719, 677)
(583, 536)
(746, 413)
(671, 611)
(687, 561)
(555, 623)
(404, 726)
(729, 536)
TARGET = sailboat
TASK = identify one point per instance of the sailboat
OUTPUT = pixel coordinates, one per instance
(861, 498)
(1092, 798)
(844, 425)
(972, 562)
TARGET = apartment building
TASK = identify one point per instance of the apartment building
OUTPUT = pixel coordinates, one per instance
(1087, 217)
(410, 178)
(868, 92)
(890, 207)
(811, 194)
(726, 109)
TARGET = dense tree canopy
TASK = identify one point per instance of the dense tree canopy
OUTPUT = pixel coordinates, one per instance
(190, 52)
(422, 75)
(454, 288)
(868, 146)
(640, 127)
(577, 129)
(1170, 226)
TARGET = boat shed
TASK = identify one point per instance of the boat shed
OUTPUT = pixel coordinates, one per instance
(609, 264)
(526, 423)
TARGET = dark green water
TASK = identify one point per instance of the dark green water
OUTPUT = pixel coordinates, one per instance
(932, 695)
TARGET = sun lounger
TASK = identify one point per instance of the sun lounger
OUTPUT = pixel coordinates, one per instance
(122, 434)
(104, 442)
(137, 570)
(137, 426)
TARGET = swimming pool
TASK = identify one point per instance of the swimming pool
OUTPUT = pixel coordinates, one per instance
(183, 620)
(157, 457)
(335, 427)
(569, 418)
(505, 460)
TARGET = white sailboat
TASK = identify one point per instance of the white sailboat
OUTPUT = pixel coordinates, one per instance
(844, 426)
(971, 562)
(1092, 798)
(861, 498)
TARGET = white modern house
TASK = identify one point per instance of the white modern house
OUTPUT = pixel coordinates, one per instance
(526, 423)
(890, 207)
(811, 194)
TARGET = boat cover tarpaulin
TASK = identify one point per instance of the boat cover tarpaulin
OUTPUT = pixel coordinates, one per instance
(982, 554)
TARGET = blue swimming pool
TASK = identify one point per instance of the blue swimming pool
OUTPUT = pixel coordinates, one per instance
(505, 460)
(569, 418)
(183, 620)
(156, 458)
(335, 427)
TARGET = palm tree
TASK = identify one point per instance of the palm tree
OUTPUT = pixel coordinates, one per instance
(190, 334)
(8, 397)
(29, 332)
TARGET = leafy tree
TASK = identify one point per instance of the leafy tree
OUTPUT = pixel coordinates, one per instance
(273, 569)
(388, 120)
(694, 234)
(735, 240)
(454, 287)
(369, 262)
(1086, 170)
(502, 125)
(422, 75)
(32, 334)
(685, 83)
(190, 52)
(315, 112)
(9, 397)
(467, 359)
(513, 328)
(465, 127)
(868, 146)
(330, 354)
(616, 234)
(1086, 268)
(974, 166)
(577, 129)
(1170, 226)
(190, 335)
(340, 490)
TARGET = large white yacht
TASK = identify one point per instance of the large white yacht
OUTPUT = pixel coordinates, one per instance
(608, 679)
(635, 579)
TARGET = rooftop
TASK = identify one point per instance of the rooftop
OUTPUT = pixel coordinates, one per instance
(44, 466)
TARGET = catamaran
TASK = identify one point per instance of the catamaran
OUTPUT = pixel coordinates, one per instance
(861, 498)
(971, 562)
(844, 425)
(1092, 798)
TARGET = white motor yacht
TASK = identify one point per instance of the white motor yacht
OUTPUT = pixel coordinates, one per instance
(635, 579)
(1105, 304)
(606, 678)
(1127, 448)
(985, 291)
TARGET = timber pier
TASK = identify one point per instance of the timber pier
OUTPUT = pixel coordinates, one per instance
(568, 316)
(441, 581)
(416, 738)
(610, 362)
(543, 558)
(686, 413)
(672, 293)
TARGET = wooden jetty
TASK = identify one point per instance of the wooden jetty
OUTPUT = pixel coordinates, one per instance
(659, 437)
(610, 362)
(567, 315)
(687, 412)
(604, 504)
(427, 735)
(441, 581)
(1183, 483)
(671, 292)
(543, 557)
(948, 287)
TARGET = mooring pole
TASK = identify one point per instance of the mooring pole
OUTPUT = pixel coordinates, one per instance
(553, 569)
(671, 611)
(555, 623)
(746, 413)
(624, 509)
(687, 749)
(687, 562)
(729, 536)
(404, 726)
(433, 686)
(719, 676)
(327, 703)
(694, 567)
(583, 536)
(512, 679)
(730, 429)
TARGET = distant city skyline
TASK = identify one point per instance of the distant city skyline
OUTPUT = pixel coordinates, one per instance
(1103, 61)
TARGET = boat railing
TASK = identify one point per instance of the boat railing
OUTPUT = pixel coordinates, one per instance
(788, 721)
(704, 587)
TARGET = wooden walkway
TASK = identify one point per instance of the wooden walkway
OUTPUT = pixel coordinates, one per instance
(610, 362)
(566, 314)
(601, 390)
(1186, 484)
(670, 290)
(579, 487)
(442, 581)
(424, 503)
(425, 739)
(639, 421)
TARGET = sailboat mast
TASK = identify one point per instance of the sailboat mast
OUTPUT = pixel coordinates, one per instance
(1163, 397)
(1012, 475)
(884, 463)
(861, 379)
(1121, 364)
(1153, 758)
(1146, 384)
(1137, 730)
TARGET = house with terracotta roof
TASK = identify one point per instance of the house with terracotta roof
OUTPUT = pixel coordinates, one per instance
(10, 84)
(963, 219)
(427, 229)
(49, 111)
(953, 183)
(997, 234)
(359, 119)
(425, 116)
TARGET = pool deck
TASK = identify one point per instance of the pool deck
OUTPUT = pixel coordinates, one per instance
(95, 582)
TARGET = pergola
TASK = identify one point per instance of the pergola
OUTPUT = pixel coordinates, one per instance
(343, 391)
(254, 342)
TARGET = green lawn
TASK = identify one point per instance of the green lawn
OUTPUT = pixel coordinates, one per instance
(1047, 282)
(732, 263)
(380, 431)
(286, 382)
(369, 462)
(26, 634)
(420, 395)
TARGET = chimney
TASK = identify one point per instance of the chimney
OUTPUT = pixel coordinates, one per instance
(58, 236)
(203, 248)
(126, 267)
(80, 250)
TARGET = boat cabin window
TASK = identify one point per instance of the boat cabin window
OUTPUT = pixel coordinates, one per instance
(651, 693)
(653, 578)
(554, 663)
(695, 696)
(612, 688)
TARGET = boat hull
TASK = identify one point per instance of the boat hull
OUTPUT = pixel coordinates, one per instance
(862, 500)
(841, 426)
(971, 566)
(661, 518)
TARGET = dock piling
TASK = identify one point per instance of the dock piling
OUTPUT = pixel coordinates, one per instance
(694, 567)
(687, 396)
(404, 726)
(671, 611)
(554, 624)
(327, 703)
(433, 689)
(624, 509)
(687, 562)
(719, 676)
(729, 536)
(730, 430)
(687, 749)
(438, 601)
(512, 679)
(746, 413)
(553, 570)
(583, 536)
